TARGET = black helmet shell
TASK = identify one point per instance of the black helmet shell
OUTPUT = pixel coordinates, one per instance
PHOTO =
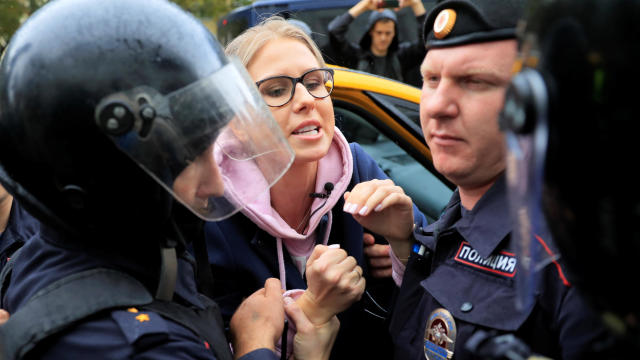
(588, 52)
(58, 67)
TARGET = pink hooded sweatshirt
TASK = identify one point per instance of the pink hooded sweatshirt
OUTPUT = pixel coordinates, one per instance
(337, 168)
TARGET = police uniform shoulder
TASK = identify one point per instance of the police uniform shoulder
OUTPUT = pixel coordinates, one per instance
(135, 324)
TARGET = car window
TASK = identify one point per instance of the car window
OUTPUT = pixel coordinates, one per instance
(407, 113)
(427, 190)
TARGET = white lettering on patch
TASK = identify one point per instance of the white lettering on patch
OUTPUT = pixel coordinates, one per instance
(503, 263)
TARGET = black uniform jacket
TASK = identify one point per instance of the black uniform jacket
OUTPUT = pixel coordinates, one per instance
(467, 283)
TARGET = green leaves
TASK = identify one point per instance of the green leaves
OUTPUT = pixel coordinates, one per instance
(14, 12)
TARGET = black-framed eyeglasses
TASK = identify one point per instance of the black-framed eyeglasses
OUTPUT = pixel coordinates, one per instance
(278, 90)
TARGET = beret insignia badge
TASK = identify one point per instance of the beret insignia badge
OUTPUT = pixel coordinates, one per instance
(444, 23)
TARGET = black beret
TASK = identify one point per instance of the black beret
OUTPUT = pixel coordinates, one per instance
(458, 22)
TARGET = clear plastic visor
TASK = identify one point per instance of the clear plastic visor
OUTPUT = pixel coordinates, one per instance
(201, 141)
(525, 113)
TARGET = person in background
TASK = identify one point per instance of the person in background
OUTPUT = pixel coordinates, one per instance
(459, 275)
(112, 150)
(16, 226)
(5, 208)
(285, 232)
(379, 51)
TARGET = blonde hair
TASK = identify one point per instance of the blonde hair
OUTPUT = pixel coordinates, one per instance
(247, 44)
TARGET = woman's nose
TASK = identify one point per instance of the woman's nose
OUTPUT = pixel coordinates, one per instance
(302, 98)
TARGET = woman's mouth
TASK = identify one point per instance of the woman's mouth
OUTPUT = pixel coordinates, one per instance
(307, 130)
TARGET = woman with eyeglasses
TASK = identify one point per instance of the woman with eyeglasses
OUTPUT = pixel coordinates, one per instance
(301, 230)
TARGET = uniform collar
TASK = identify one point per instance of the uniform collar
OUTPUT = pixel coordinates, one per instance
(484, 227)
(488, 223)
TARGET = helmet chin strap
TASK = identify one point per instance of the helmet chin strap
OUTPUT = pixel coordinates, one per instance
(168, 268)
(168, 274)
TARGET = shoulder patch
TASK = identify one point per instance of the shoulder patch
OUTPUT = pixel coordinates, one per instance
(136, 324)
(503, 263)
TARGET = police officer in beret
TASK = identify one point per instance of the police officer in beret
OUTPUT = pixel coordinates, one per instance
(572, 92)
(119, 121)
(460, 276)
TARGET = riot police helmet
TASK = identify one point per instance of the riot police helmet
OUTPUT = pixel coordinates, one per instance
(109, 109)
(571, 119)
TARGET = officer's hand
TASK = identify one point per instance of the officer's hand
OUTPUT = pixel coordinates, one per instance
(384, 208)
(378, 257)
(259, 321)
(311, 342)
(334, 282)
(4, 316)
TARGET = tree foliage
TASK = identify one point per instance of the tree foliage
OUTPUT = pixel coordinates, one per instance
(14, 12)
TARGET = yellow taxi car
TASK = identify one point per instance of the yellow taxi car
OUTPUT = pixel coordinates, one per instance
(383, 116)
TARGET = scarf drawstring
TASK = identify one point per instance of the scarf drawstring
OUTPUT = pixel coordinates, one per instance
(327, 230)
(281, 267)
(283, 274)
